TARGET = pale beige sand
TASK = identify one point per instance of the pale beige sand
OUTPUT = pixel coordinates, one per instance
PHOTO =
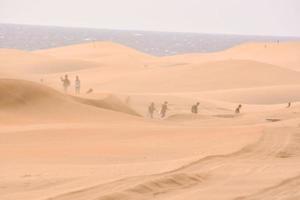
(104, 146)
(105, 53)
(15, 61)
(227, 74)
(284, 54)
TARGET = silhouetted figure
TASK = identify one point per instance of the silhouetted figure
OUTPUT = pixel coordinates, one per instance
(289, 105)
(163, 110)
(66, 83)
(90, 91)
(151, 110)
(238, 109)
(77, 85)
(194, 108)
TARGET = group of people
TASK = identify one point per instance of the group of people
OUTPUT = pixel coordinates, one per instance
(67, 83)
(164, 108)
(151, 109)
(194, 109)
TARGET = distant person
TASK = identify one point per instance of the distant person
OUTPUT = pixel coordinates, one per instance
(238, 109)
(151, 110)
(66, 83)
(195, 108)
(89, 91)
(289, 105)
(77, 85)
(163, 110)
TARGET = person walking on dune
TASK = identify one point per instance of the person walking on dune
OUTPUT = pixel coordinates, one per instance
(163, 110)
(66, 83)
(238, 109)
(77, 85)
(194, 108)
(151, 110)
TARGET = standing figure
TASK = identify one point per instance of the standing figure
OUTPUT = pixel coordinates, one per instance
(66, 83)
(195, 108)
(163, 110)
(238, 109)
(77, 85)
(151, 110)
(289, 104)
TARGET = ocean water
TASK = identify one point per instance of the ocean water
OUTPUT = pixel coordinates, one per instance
(27, 37)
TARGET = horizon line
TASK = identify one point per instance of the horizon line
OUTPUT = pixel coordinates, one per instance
(153, 31)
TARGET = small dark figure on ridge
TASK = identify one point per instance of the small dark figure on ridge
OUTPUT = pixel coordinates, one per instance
(238, 109)
(66, 83)
(194, 108)
(163, 110)
(151, 110)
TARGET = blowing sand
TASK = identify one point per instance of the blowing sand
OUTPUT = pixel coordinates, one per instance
(104, 146)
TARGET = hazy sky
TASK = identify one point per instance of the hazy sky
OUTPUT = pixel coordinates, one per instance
(259, 17)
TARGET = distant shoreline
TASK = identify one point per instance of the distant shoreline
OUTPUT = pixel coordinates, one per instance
(35, 37)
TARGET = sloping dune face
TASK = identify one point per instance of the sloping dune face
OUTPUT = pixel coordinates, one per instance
(219, 75)
(16, 93)
(282, 54)
(30, 101)
(94, 50)
(15, 61)
(257, 95)
(106, 53)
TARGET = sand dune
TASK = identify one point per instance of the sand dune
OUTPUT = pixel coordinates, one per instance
(284, 54)
(33, 101)
(15, 61)
(229, 74)
(93, 50)
(106, 53)
(110, 103)
(104, 145)
(259, 95)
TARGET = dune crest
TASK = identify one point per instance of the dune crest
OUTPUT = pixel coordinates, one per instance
(24, 98)
(29, 62)
(106, 53)
(285, 54)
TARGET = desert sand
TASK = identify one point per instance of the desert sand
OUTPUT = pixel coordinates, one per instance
(104, 146)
